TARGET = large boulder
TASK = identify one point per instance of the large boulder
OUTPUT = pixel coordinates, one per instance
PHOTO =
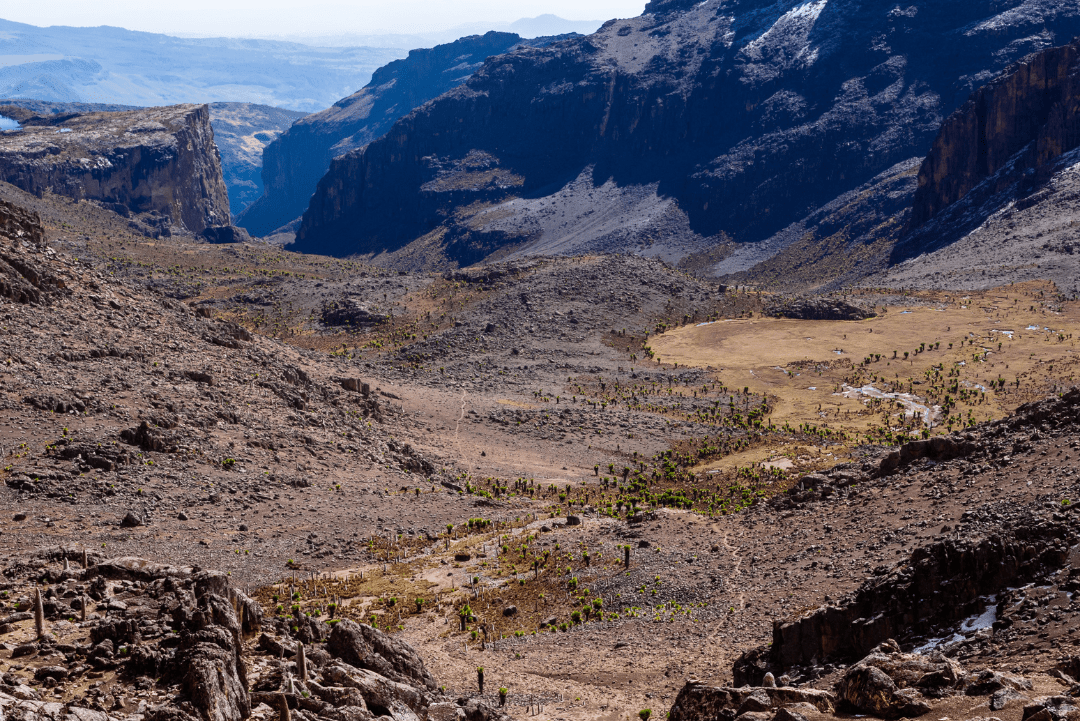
(401, 701)
(368, 648)
(699, 702)
(891, 684)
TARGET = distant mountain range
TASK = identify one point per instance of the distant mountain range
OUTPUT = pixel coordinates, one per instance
(116, 66)
(540, 26)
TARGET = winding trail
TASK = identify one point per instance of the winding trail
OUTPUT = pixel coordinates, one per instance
(457, 426)
(736, 573)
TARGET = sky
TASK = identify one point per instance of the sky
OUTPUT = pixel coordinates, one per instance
(239, 18)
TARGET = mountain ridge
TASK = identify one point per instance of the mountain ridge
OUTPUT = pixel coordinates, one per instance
(747, 115)
(294, 162)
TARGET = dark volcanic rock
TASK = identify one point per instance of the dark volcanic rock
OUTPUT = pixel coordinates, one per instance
(820, 309)
(368, 648)
(293, 163)
(739, 117)
(226, 234)
(159, 163)
(698, 702)
(940, 584)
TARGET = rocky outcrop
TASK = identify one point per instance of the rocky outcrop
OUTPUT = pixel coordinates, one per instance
(20, 224)
(820, 309)
(293, 163)
(159, 164)
(369, 649)
(890, 684)
(938, 586)
(733, 118)
(699, 702)
(1034, 107)
(23, 280)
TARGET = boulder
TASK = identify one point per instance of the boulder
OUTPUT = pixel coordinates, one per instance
(868, 689)
(226, 234)
(1050, 708)
(400, 700)
(368, 648)
(699, 702)
(891, 684)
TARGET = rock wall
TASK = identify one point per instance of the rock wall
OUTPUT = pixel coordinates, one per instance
(294, 163)
(1034, 107)
(749, 114)
(160, 163)
(935, 588)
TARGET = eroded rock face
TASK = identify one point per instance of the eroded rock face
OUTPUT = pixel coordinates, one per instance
(160, 164)
(21, 278)
(741, 116)
(1034, 107)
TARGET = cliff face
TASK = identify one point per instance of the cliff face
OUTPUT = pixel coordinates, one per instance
(158, 163)
(1034, 107)
(294, 163)
(738, 116)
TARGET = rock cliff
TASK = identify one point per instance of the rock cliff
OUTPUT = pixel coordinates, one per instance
(293, 163)
(733, 117)
(158, 163)
(1034, 107)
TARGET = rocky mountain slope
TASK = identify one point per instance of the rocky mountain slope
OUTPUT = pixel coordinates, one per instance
(159, 164)
(294, 163)
(693, 123)
(1034, 108)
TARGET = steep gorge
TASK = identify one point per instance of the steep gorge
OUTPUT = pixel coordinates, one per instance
(294, 162)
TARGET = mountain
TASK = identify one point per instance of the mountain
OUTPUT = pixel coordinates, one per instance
(998, 196)
(694, 127)
(293, 164)
(118, 66)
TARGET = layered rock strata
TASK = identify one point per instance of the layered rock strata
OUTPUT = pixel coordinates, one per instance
(158, 163)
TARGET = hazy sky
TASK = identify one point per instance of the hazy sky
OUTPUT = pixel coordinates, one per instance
(322, 17)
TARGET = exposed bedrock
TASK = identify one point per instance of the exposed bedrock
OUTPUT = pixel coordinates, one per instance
(1034, 107)
(158, 163)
